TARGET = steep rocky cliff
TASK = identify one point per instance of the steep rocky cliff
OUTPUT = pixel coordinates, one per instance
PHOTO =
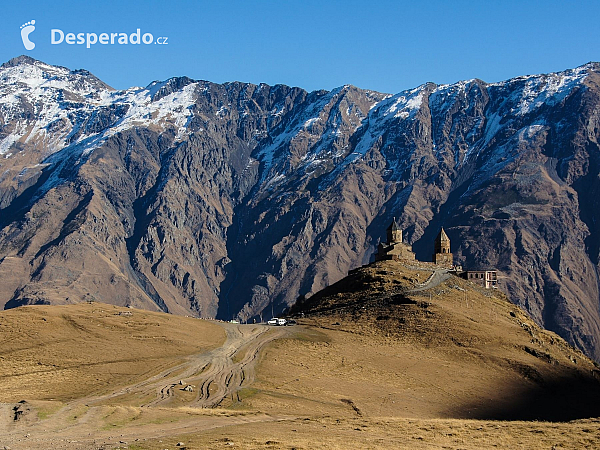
(226, 200)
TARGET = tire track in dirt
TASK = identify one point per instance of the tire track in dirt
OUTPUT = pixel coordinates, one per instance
(214, 374)
(226, 377)
(219, 375)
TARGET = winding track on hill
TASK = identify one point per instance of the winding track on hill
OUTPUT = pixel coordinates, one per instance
(436, 278)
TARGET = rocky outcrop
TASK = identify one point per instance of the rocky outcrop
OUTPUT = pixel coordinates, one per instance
(227, 200)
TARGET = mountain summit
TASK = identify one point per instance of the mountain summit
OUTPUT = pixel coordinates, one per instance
(229, 199)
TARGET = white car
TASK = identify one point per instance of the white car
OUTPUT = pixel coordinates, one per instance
(272, 322)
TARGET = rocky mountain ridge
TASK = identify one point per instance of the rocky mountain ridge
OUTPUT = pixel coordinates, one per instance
(226, 200)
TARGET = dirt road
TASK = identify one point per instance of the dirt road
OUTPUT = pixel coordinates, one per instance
(200, 383)
(214, 376)
(436, 278)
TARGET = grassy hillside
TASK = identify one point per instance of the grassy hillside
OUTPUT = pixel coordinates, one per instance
(377, 344)
(66, 352)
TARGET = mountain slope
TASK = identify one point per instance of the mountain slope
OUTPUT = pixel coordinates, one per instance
(222, 200)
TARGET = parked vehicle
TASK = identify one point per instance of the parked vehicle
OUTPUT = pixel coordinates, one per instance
(276, 321)
(291, 322)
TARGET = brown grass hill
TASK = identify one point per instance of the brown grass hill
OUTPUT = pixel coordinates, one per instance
(371, 365)
(450, 348)
(64, 352)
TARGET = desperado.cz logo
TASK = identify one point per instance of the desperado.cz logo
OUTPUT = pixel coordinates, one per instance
(58, 36)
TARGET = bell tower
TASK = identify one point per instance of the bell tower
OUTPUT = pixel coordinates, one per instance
(441, 248)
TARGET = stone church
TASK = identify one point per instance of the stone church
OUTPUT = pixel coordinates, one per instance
(394, 248)
(397, 250)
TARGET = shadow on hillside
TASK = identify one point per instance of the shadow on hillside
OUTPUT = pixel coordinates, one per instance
(561, 400)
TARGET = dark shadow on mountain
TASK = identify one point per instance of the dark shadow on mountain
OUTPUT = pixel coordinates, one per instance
(423, 247)
(226, 310)
(19, 300)
(71, 223)
(143, 218)
(588, 192)
(20, 205)
(560, 400)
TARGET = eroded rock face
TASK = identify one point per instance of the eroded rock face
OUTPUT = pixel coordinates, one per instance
(227, 200)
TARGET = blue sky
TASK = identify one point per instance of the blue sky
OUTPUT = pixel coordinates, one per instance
(387, 46)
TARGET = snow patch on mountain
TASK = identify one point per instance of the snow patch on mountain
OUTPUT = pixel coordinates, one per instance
(35, 77)
(399, 107)
(405, 105)
(320, 124)
(548, 89)
(445, 95)
(8, 142)
(521, 96)
(55, 95)
(402, 105)
(175, 108)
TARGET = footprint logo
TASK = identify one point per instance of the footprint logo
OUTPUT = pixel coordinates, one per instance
(26, 30)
